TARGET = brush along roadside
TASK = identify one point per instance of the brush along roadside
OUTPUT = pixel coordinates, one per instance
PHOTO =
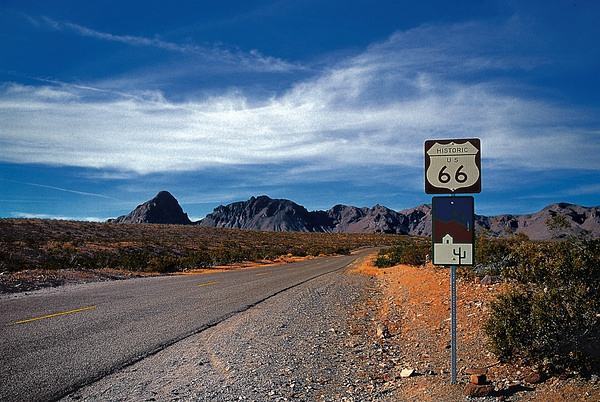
(412, 319)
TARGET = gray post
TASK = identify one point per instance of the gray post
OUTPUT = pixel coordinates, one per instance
(453, 324)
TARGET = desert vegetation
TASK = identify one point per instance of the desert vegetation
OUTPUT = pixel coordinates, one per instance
(549, 313)
(43, 244)
(549, 316)
(409, 250)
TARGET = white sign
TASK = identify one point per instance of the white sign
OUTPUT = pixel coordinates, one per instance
(450, 253)
(452, 166)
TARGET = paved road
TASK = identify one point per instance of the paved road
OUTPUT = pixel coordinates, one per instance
(55, 341)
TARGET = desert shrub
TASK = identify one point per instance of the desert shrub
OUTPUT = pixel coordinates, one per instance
(412, 252)
(198, 259)
(489, 250)
(298, 252)
(550, 314)
(342, 251)
(10, 261)
(492, 254)
(163, 264)
(44, 244)
(133, 259)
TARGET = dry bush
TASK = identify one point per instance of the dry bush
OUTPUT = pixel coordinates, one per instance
(550, 315)
(46, 244)
(412, 251)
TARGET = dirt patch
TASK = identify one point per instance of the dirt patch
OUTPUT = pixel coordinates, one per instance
(414, 307)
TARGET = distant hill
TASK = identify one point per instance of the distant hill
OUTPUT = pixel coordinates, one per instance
(572, 220)
(163, 208)
(280, 215)
(264, 213)
(379, 219)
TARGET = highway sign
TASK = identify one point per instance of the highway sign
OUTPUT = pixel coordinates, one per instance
(453, 231)
(453, 166)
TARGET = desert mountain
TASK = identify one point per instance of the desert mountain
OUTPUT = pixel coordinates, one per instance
(163, 208)
(555, 220)
(379, 219)
(281, 215)
(264, 213)
(267, 214)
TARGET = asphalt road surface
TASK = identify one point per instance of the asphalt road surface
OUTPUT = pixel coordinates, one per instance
(55, 341)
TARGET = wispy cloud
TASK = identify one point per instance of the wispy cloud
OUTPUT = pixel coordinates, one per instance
(27, 215)
(375, 109)
(585, 189)
(251, 60)
(66, 190)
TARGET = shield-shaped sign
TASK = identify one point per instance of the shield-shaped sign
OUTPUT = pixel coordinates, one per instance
(453, 166)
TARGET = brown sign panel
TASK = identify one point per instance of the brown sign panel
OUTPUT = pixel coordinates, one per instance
(453, 166)
(453, 230)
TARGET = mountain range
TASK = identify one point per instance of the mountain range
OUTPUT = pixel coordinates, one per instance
(268, 214)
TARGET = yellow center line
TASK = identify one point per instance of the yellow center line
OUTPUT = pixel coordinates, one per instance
(55, 314)
(263, 273)
(207, 283)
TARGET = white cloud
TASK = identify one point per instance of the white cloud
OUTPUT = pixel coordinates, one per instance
(375, 108)
(66, 190)
(27, 215)
(252, 60)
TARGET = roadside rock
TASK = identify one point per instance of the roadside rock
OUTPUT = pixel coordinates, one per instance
(407, 372)
(534, 378)
(476, 371)
(477, 391)
(491, 279)
(478, 379)
(382, 331)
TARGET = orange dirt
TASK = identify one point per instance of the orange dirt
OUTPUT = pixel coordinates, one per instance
(415, 305)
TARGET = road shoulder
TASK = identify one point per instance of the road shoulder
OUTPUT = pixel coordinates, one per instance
(302, 343)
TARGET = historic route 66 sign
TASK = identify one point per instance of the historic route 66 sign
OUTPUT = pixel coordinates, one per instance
(453, 166)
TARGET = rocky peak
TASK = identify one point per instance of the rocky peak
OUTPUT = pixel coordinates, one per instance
(163, 208)
(265, 213)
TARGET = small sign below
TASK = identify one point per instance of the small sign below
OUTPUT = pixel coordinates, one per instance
(453, 166)
(453, 230)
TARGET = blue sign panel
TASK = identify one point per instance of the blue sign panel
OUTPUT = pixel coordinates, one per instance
(453, 230)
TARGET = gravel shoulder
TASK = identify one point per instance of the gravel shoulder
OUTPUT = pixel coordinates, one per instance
(305, 344)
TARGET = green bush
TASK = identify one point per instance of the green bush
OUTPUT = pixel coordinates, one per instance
(412, 252)
(550, 315)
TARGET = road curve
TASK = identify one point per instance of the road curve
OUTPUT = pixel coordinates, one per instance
(55, 341)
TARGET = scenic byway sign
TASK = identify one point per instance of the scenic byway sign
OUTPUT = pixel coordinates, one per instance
(453, 166)
(453, 231)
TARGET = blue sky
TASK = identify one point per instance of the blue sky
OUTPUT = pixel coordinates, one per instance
(103, 104)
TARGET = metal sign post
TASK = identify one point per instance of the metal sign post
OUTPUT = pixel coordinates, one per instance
(453, 324)
(453, 166)
(453, 245)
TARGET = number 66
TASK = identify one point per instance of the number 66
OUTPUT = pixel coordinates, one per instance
(459, 176)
